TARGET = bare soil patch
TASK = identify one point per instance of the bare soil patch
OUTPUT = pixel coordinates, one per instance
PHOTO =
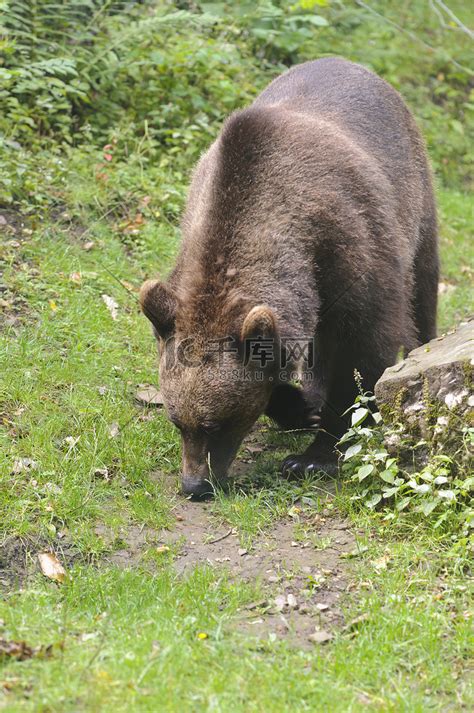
(14, 229)
(19, 561)
(12, 223)
(298, 565)
(301, 565)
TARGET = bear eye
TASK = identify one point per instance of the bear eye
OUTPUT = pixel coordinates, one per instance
(177, 424)
(210, 428)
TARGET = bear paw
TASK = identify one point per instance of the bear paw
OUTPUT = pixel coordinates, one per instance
(297, 466)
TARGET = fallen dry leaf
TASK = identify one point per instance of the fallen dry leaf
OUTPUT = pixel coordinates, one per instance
(21, 651)
(16, 650)
(381, 563)
(320, 637)
(254, 449)
(280, 602)
(133, 225)
(114, 429)
(102, 473)
(445, 288)
(51, 567)
(22, 464)
(88, 246)
(128, 286)
(149, 396)
(111, 305)
(355, 623)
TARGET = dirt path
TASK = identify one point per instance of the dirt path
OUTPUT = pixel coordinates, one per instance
(301, 566)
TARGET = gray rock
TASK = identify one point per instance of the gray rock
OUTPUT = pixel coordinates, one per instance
(431, 392)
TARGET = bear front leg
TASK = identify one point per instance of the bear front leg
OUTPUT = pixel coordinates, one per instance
(291, 408)
(320, 456)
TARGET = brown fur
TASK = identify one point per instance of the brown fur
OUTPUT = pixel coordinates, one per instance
(315, 205)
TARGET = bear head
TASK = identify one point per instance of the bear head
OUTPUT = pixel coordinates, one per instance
(215, 382)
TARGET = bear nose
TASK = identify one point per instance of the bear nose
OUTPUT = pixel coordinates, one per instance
(195, 486)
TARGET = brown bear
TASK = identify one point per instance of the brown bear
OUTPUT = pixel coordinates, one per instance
(309, 251)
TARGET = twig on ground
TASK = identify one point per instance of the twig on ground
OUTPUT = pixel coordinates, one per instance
(222, 537)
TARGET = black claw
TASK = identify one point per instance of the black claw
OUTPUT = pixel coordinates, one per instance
(298, 466)
(292, 466)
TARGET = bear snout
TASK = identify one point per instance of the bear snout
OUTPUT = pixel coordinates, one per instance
(199, 488)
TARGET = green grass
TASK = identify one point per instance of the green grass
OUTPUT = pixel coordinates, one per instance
(126, 639)
(130, 639)
(457, 258)
(72, 371)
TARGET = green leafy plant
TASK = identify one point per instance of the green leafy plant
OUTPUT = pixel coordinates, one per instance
(79, 76)
(382, 481)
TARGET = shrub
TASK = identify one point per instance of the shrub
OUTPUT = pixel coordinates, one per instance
(440, 491)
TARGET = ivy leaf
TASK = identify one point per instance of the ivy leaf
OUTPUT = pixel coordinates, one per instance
(352, 451)
(426, 475)
(364, 471)
(423, 488)
(388, 492)
(359, 415)
(388, 476)
(428, 506)
(347, 436)
(447, 494)
(374, 500)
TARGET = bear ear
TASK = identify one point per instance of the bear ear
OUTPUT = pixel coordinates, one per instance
(159, 303)
(259, 322)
